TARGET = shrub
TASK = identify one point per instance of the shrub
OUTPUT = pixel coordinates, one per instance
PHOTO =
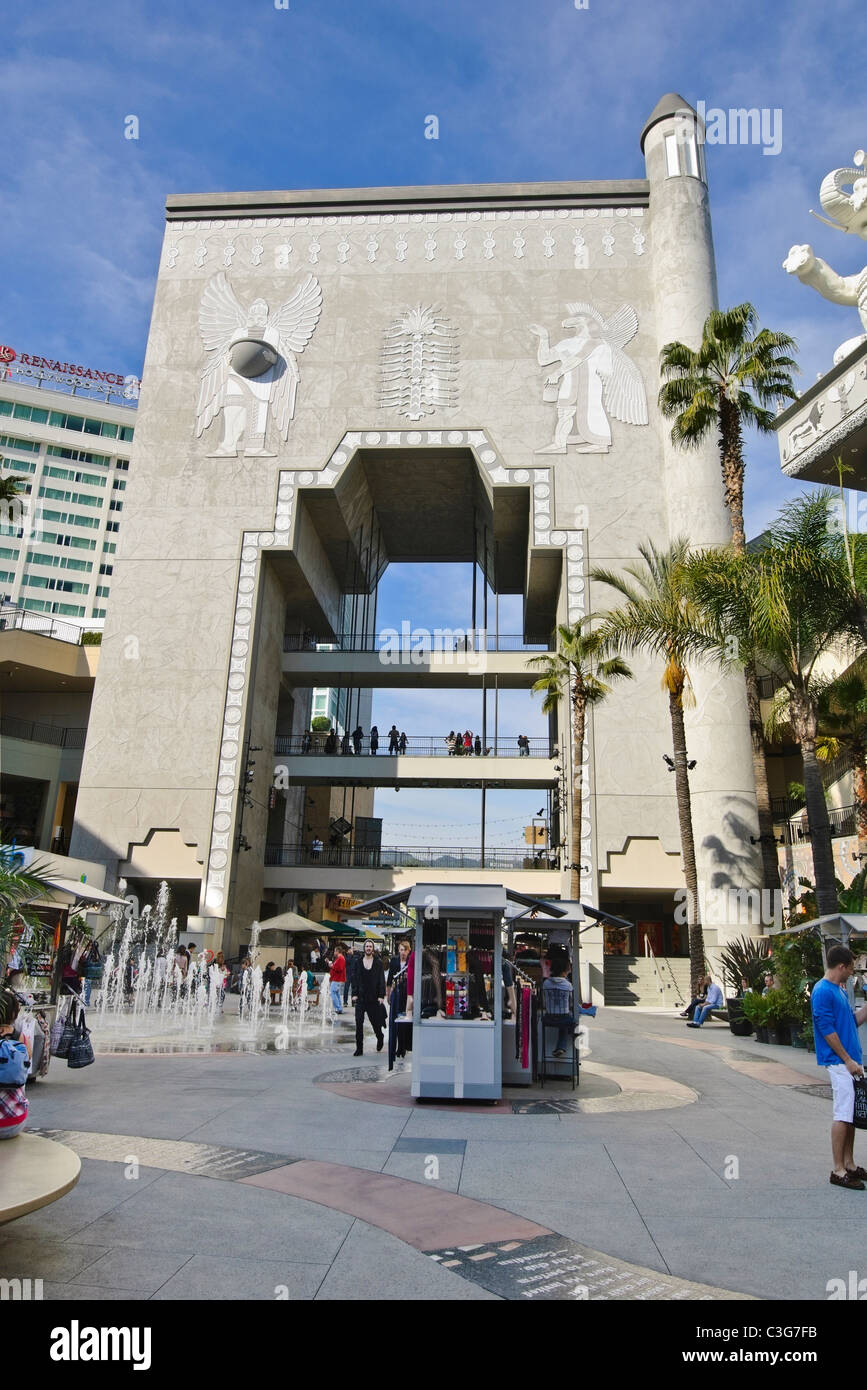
(321, 724)
(91, 639)
(747, 959)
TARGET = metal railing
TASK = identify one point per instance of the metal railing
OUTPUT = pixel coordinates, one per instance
(42, 624)
(844, 821)
(416, 640)
(419, 746)
(396, 857)
(60, 737)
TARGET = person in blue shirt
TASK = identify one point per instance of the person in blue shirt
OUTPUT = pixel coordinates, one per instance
(838, 1047)
(713, 1000)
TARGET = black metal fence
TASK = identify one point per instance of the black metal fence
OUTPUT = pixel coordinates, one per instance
(453, 640)
(396, 857)
(419, 746)
(796, 830)
(59, 737)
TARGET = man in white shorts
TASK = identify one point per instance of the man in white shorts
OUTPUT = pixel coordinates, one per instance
(838, 1047)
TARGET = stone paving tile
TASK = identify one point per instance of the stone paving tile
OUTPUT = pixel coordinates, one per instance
(555, 1269)
(139, 1271)
(174, 1214)
(171, 1155)
(101, 1187)
(416, 1166)
(397, 1271)
(418, 1213)
(24, 1258)
(87, 1293)
(233, 1278)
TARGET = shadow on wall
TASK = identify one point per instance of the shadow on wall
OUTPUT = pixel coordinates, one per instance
(736, 862)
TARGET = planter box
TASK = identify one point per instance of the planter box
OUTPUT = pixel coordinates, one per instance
(761, 1035)
(740, 1027)
(779, 1035)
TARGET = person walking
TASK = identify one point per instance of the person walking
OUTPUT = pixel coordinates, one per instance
(838, 1047)
(338, 979)
(374, 740)
(357, 736)
(401, 743)
(393, 739)
(368, 996)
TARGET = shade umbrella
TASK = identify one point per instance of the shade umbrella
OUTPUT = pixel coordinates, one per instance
(292, 923)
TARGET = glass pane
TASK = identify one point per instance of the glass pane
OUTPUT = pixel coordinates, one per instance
(457, 971)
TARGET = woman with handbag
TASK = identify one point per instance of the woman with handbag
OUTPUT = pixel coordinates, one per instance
(14, 1066)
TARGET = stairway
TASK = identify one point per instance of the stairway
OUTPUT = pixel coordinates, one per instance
(633, 980)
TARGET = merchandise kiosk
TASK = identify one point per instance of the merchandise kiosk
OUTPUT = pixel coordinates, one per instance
(457, 991)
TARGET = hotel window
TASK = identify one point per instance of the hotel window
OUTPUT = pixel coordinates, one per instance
(119, 484)
(102, 591)
(77, 455)
(10, 442)
(99, 612)
(106, 569)
(124, 464)
(71, 610)
(6, 577)
(115, 505)
(112, 526)
(109, 547)
(8, 552)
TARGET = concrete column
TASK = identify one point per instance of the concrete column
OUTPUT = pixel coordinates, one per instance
(684, 287)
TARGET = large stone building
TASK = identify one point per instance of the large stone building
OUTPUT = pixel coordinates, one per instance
(340, 379)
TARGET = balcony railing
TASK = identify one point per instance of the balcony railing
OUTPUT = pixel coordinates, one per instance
(55, 734)
(396, 857)
(419, 746)
(418, 640)
(42, 624)
(796, 830)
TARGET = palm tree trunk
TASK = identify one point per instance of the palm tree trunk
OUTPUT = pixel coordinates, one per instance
(859, 785)
(767, 842)
(579, 716)
(804, 723)
(732, 462)
(687, 842)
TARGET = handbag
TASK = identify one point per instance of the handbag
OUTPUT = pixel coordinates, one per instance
(859, 1118)
(80, 1048)
(62, 1033)
(14, 1062)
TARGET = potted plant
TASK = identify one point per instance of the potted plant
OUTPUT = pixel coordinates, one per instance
(778, 1004)
(755, 1009)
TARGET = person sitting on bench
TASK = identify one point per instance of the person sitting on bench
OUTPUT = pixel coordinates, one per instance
(713, 1000)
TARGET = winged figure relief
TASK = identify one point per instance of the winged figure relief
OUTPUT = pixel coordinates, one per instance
(594, 378)
(252, 365)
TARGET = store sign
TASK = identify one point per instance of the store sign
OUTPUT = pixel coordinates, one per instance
(25, 364)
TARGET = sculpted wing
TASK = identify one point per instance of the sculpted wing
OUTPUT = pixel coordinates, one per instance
(623, 390)
(294, 321)
(220, 318)
(622, 327)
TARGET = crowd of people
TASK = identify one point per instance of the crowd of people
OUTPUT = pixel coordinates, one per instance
(457, 743)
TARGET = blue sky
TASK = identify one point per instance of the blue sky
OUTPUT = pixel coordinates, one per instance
(235, 94)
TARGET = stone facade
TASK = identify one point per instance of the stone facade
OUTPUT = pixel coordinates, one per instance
(217, 543)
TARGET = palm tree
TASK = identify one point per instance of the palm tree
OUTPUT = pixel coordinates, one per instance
(10, 487)
(771, 602)
(842, 710)
(660, 618)
(577, 671)
(17, 889)
(730, 381)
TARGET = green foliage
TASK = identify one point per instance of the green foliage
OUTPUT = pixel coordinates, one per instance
(17, 888)
(756, 1009)
(745, 959)
(91, 639)
(321, 724)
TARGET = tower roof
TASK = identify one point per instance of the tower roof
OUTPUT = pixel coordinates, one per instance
(669, 105)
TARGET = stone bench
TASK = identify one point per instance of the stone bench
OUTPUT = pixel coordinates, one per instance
(33, 1173)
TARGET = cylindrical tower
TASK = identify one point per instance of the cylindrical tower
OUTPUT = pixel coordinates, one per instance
(684, 288)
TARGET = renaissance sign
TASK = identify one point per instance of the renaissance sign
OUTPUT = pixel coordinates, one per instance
(24, 364)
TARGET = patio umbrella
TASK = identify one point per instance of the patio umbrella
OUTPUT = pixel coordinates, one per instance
(292, 923)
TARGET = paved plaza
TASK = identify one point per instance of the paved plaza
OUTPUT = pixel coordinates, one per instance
(687, 1166)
